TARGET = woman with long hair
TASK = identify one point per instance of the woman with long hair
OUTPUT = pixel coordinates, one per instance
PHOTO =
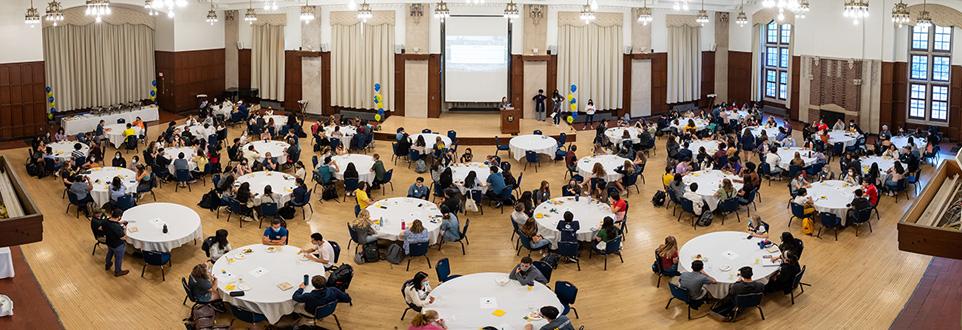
(220, 247)
(414, 234)
(363, 227)
(417, 291)
(201, 285)
(429, 320)
(530, 230)
(117, 189)
(668, 255)
(608, 230)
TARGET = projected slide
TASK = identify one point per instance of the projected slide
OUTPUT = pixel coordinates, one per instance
(476, 59)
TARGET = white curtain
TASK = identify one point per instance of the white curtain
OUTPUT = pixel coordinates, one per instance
(684, 63)
(98, 64)
(590, 56)
(267, 61)
(362, 55)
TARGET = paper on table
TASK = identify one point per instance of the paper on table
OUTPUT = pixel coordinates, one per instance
(258, 272)
(489, 302)
(768, 262)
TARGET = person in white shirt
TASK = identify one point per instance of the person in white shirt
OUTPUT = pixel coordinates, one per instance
(772, 159)
(220, 247)
(417, 292)
(696, 200)
(322, 251)
(251, 155)
(590, 112)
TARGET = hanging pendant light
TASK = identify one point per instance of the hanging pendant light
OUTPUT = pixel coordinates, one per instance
(742, 19)
(211, 14)
(270, 5)
(307, 12)
(250, 16)
(924, 21)
(644, 14)
(900, 14)
(702, 18)
(364, 12)
(441, 11)
(54, 13)
(150, 7)
(98, 9)
(856, 10)
(803, 9)
(32, 18)
(511, 11)
(587, 14)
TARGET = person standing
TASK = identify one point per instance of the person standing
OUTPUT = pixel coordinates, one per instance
(539, 105)
(115, 231)
(556, 102)
(590, 112)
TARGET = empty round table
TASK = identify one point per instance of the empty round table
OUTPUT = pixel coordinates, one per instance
(833, 196)
(617, 134)
(361, 162)
(540, 144)
(586, 166)
(115, 133)
(101, 177)
(430, 139)
(477, 300)
(145, 224)
(282, 184)
(390, 212)
(347, 133)
(460, 171)
(64, 150)
(723, 253)
(268, 275)
(709, 182)
(589, 214)
(174, 153)
(277, 149)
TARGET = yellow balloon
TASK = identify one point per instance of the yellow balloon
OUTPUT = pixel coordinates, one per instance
(377, 117)
(570, 96)
(570, 119)
(574, 107)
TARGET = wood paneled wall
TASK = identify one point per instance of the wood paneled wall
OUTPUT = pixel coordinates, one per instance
(23, 100)
(187, 74)
(894, 98)
(517, 84)
(434, 86)
(740, 76)
(796, 72)
(326, 83)
(244, 68)
(659, 82)
(707, 75)
(552, 83)
(293, 77)
(399, 64)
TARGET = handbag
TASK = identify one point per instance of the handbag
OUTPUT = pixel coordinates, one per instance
(470, 205)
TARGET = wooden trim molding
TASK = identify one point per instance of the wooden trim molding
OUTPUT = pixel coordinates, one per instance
(659, 81)
(796, 72)
(740, 76)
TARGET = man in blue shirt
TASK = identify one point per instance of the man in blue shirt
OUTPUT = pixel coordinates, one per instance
(326, 170)
(418, 189)
(275, 234)
(320, 296)
(496, 184)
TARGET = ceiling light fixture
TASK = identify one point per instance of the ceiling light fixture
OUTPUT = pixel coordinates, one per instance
(742, 19)
(856, 10)
(364, 12)
(924, 21)
(150, 7)
(702, 18)
(54, 13)
(307, 12)
(511, 11)
(900, 14)
(680, 5)
(32, 18)
(644, 14)
(270, 5)
(211, 14)
(98, 9)
(587, 14)
(441, 11)
(250, 16)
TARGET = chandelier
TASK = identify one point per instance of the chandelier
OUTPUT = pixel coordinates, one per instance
(924, 21)
(270, 5)
(644, 14)
(441, 11)
(702, 18)
(307, 12)
(587, 14)
(211, 14)
(803, 9)
(169, 5)
(250, 16)
(54, 12)
(793, 6)
(364, 12)
(150, 7)
(680, 5)
(511, 11)
(98, 9)
(32, 18)
(742, 18)
(855, 9)
(900, 14)
(475, 2)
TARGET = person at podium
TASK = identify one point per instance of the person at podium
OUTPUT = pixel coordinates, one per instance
(504, 103)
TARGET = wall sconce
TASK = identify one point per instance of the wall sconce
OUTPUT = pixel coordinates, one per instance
(536, 13)
(416, 11)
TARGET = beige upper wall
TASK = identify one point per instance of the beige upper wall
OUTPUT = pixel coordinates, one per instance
(535, 30)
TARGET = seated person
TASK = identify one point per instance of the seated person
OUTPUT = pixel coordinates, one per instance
(668, 255)
(556, 321)
(744, 285)
(568, 228)
(321, 251)
(697, 202)
(417, 292)
(202, 286)
(418, 189)
(450, 227)
(571, 189)
(860, 202)
(757, 227)
(784, 278)
(307, 303)
(694, 281)
(275, 234)
(802, 198)
(414, 234)
(526, 274)
(530, 230)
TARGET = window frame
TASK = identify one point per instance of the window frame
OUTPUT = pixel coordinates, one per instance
(782, 35)
(935, 94)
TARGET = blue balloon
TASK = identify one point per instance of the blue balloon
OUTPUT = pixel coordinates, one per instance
(152, 93)
(574, 88)
(574, 100)
(377, 87)
(53, 110)
(49, 89)
(153, 82)
(574, 115)
(380, 111)
(50, 99)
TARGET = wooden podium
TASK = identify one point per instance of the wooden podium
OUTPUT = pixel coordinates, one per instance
(510, 121)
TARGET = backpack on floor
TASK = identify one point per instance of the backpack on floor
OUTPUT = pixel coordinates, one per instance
(420, 166)
(659, 199)
(706, 216)
(210, 200)
(808, 226)
(552, 260)
(329, 192)
(287, 212)
(395, 254)
(341, 277)
(371, 254)
(202, 318)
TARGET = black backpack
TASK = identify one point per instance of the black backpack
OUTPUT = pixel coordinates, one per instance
(552, 260)
(659, 199)
(329, 193)
(287, 212)
(208, 243)
(341, 277)
(371, 254)
(210, 200)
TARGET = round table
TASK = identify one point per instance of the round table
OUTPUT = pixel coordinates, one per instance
(115, 133)
(787, 154)
(609, 162)
(711, 146)
(709, 182)
(884, 164)
(470, 302)
(278, 150)
(430, 139)
(390, 212)
(460, 171)
(770, 132)
(700, 124)
(146, 223)
(723, 253)
(833, 196)
(279, 122)
(588, 212)
(282, 184)
(616, 134)
(173, 153)
(223, 109)
(347, 133)
(259, 273)
(902, 141)
(101, 177)
(737, 115)
(845, 137)
(530, 142)
(64, 150)
(198, 130)
(363, 164)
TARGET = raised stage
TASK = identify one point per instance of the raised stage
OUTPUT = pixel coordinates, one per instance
(472, 128)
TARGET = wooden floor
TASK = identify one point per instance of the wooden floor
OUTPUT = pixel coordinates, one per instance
(857, 282)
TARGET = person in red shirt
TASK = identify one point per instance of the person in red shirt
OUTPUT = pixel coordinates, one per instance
(570, 157)
(822, 125)
(618, 206)
(871, 191)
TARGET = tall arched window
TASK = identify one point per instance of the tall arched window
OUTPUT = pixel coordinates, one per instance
(775, 60)
(930, 63)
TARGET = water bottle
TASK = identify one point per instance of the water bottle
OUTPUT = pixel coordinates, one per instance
(165, 228)
(403, 225)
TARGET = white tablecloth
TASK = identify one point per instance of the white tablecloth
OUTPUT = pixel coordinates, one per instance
(279, 122)
(468, 302)
(199, 131)
(347, 133)
(88, 122)
(884, 163)
(223, 109)
(787, 154)
(700, 124)
(282, 184)
(278, 150)
(846, 138)
(541, 144)
(902, 141)
(102, 176)
(390, 212)
(723, 253)
(832, 196)
(260, 272)
(115, 133)
(771, 133)
(737, 116)
(64, 150)
(710, 146)
(460, 171)
(588, 213)
(183, 226)
(609, 162)
(616, 134)
(709, 182)
(363, 164)
(173, 153)
(430, 139)
(6, 263)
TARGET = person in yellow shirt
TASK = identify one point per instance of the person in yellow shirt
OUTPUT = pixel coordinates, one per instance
(362, 198)
(129, 131)
(201, 160)
(668, 177)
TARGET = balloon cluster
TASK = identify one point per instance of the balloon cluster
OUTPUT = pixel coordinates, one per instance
(153, 90)
(51, 103)
(572, 104)
(378, 102)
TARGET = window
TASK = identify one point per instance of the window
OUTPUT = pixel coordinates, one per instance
(776, 59)
(930, 62)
